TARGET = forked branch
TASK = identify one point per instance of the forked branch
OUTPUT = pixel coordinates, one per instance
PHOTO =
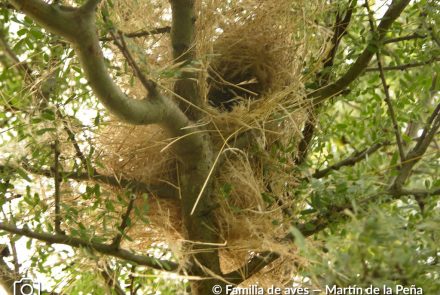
(361, 63)
(84, 39)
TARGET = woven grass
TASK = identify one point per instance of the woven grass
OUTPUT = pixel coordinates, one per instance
(256, 50)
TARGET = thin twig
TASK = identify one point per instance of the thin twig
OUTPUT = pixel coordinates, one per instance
(350, 161)
(404, 38)
(415, 155)
(124, 222)
(72, 138)
(144, 33)
(405, 66)
(149, 85)
(391, 112)
(132, 279)
(57, 183)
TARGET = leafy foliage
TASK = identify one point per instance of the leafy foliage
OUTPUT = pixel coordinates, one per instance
(369, 237)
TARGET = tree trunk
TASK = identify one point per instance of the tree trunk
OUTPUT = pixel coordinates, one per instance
(199, 221)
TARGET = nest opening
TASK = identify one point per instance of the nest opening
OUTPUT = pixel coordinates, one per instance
(229, 88)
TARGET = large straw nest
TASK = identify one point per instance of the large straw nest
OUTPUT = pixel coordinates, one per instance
(254, 49)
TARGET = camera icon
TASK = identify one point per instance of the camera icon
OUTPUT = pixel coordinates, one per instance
(26, 286)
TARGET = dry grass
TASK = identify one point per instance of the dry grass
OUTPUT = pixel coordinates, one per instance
(257, 48)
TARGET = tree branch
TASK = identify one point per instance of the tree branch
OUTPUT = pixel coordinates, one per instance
(151, 32)
(404, 38)
(57, 183)
(91, 5)
(350, 161)
(98, 247)
(335, 213)
(340, 29)
(124, 223)
(83, 36)
(358, 67)
(254, 265)
(391, 112)
(415, 155)
(405, 66)
(182, 41)
(110, 280)
(149, 85)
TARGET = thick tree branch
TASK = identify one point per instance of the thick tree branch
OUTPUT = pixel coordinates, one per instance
(182, 41)
(98, 247)
(359, 66)
(90, 5)
(84, 38)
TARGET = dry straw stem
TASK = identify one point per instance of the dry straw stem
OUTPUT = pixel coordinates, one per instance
(252, 47)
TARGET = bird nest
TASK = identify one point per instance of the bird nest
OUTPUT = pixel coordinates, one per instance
(250, 63)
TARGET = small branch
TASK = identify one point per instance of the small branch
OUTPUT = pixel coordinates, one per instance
(358, 67)
(110, 280)
(405, 38)
(391, 112)
(14, 255)
(124, 223)
(71, 136)
(21, 66)
(255, 264)
(149, 85)
(350, 161)
(335, 213)
(405, 66)
(415, 155)
(98, 247)
(85, 41)
(13, 197)
(307, 136)
(340, 29)
(57, 183)
(151, 32)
